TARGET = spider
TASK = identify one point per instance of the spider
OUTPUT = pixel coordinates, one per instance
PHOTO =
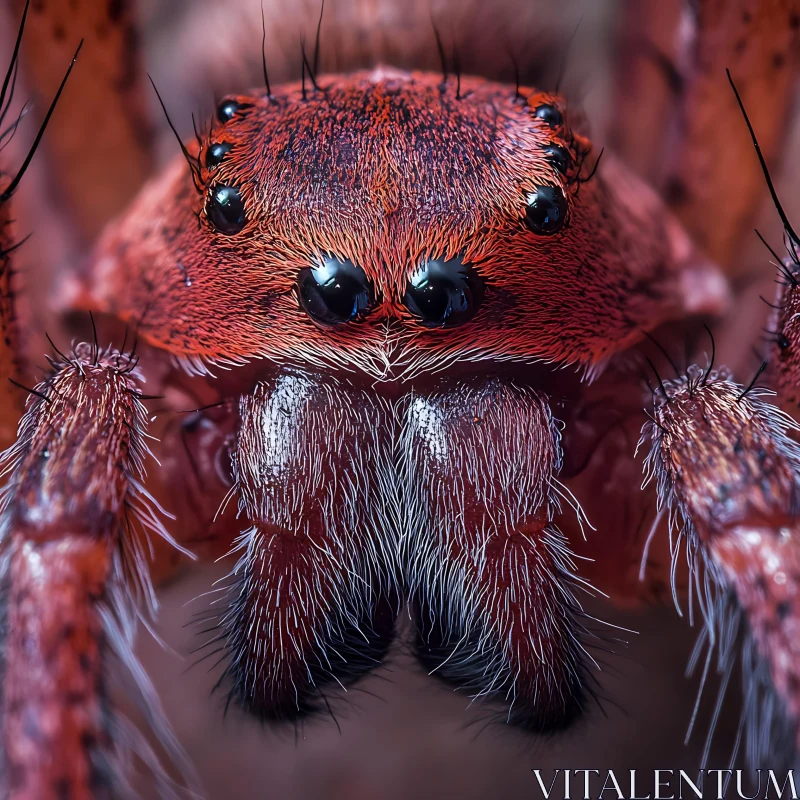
(385, 339)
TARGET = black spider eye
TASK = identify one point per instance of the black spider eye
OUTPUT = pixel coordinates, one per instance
(335, 291)
(215, 153)
(444, 293)
(547, 210)
(225, 209)
(559, 157)
(227, 109)
(549, 114)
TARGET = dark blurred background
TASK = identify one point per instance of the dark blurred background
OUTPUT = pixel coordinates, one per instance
(404, 735)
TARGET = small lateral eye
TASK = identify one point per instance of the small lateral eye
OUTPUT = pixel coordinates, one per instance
(559, 157)
(549, 114)
(547, 210)
(335, 291)
(227, 109)
(215, 153)
(225, 209)
(444, 294)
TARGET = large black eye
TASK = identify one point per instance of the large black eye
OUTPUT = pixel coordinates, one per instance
(225, 209)
(549, 114)
(559, 157)
(215, 153)
(444, 293)
(335, 291)
(547, 210)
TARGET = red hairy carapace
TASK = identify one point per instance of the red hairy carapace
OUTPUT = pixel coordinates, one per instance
(389, 170)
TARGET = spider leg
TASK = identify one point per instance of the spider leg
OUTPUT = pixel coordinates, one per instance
(782, 332)
(646, 83)
(491, 578)
(12, 364)
(11, 368)
(712, 178)
(783, 343)
(102, 153)
(728, 475)
(11, 397)
(312, 593)
(74, 574)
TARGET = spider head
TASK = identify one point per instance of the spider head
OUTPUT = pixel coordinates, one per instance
(391, 223)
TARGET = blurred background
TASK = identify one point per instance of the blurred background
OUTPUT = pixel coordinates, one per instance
(402, 734)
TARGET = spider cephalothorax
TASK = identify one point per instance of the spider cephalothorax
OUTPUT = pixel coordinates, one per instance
(444, 215)
(366, 288)
(395, 226)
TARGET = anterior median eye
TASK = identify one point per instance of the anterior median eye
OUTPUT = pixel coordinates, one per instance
(225, 209)
(547, 210)
(335, 291)
(444, 293)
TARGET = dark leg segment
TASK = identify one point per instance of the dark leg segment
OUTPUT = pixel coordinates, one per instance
(314, 589)
(490, 575)
(783, 347)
